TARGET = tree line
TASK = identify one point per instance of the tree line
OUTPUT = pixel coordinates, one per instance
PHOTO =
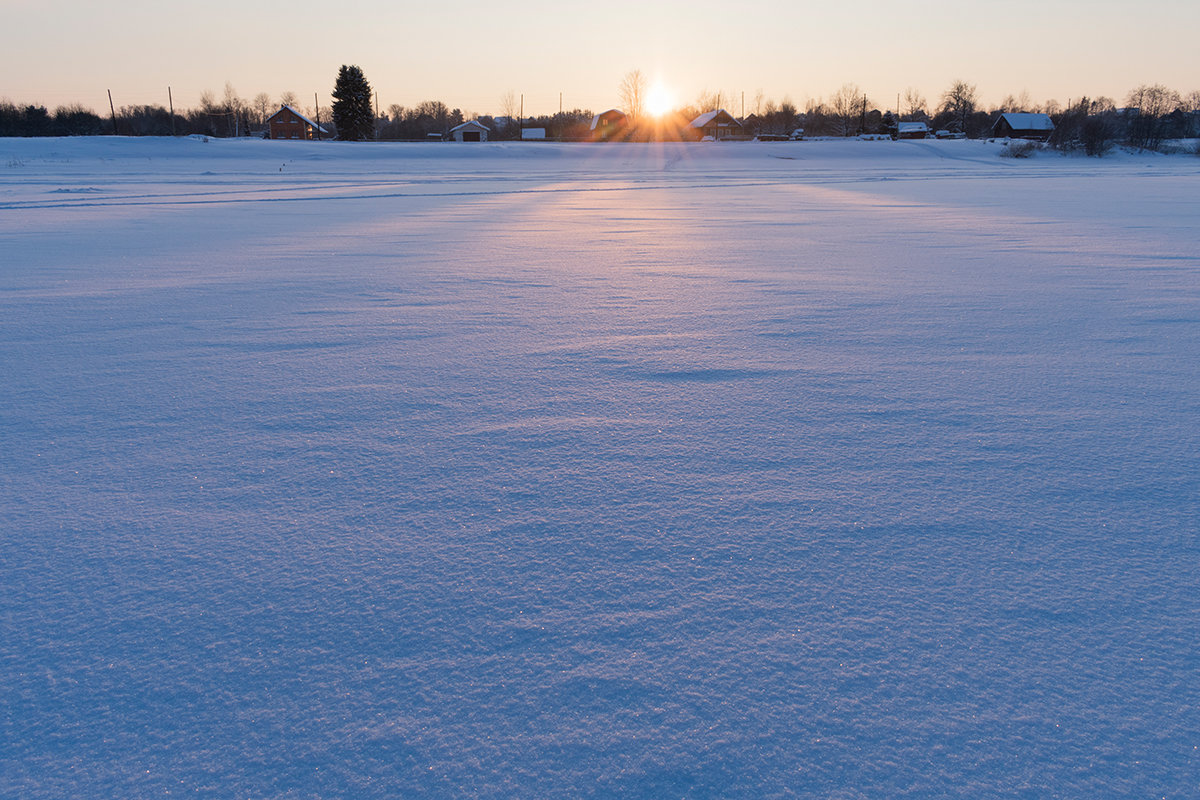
(225, 116)
(1150, 115)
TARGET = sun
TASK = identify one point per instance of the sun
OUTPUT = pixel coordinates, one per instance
(659, 100)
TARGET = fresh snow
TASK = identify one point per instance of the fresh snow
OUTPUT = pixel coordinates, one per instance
(816, 469)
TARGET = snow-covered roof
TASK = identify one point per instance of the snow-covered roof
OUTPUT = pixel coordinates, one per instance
(470, 124)
(1028, 122)
(709, 116)
(298, 114)
(612, 113)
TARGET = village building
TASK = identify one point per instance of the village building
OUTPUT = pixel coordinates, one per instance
(473, 131)
(288, 123)
(716, 125)
(609, 124)
(911, 130)
(1023, 126)
(752, 125)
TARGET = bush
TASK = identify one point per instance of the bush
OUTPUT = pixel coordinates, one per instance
(1019, 149)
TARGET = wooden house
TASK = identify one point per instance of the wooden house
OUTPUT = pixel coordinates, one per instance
(752, 125)
(609, 125)
(1023, 126)
(716, 125)
(288, 123)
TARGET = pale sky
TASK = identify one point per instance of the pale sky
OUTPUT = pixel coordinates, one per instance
(469, 53)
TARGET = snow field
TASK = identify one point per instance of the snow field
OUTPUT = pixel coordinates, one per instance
(817, 469)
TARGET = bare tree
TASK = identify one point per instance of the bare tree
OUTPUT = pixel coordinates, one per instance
(212, 113)
(289, 99)
(1156, 100)
(848, 105)
(510, 108)
(779, 119)
(818, 119)
(262, 106)
(1150, 105)
(959, 102)
(232, 101)
(1191, 104)
(710, 101)
(915, 106)
(633, 93)
(235, 110)
(1019, 103)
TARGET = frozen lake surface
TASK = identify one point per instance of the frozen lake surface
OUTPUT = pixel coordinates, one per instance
(819, 469)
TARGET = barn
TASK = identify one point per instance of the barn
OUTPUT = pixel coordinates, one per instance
(609, 124)
(288, 123)
(473, 131)
(1023, 126)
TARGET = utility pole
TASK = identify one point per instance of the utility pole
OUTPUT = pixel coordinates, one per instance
(521, 119)
(112, 109)
(560, 104)
(317, 107)
(171, 103)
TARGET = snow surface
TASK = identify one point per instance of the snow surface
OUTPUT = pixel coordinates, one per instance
(816, 469)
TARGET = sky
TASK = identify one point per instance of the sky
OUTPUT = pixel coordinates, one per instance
(471, 53)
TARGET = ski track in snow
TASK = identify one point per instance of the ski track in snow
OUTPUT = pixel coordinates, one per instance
(817, 469)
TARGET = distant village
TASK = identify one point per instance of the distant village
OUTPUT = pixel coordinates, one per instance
(1149, 117)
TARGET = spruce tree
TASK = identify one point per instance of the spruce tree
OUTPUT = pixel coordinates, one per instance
(352, 105)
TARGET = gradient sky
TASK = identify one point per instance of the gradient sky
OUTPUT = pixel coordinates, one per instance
(470, 53)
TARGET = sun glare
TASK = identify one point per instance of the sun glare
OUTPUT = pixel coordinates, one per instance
(659, 100)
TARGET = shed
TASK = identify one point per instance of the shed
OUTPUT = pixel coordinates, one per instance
(288, 123)
(531, 134)
(719, 124)
(473, 131)
(1024, 126)
(608, 124)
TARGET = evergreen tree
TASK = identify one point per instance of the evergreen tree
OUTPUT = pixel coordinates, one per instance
(352, 114)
